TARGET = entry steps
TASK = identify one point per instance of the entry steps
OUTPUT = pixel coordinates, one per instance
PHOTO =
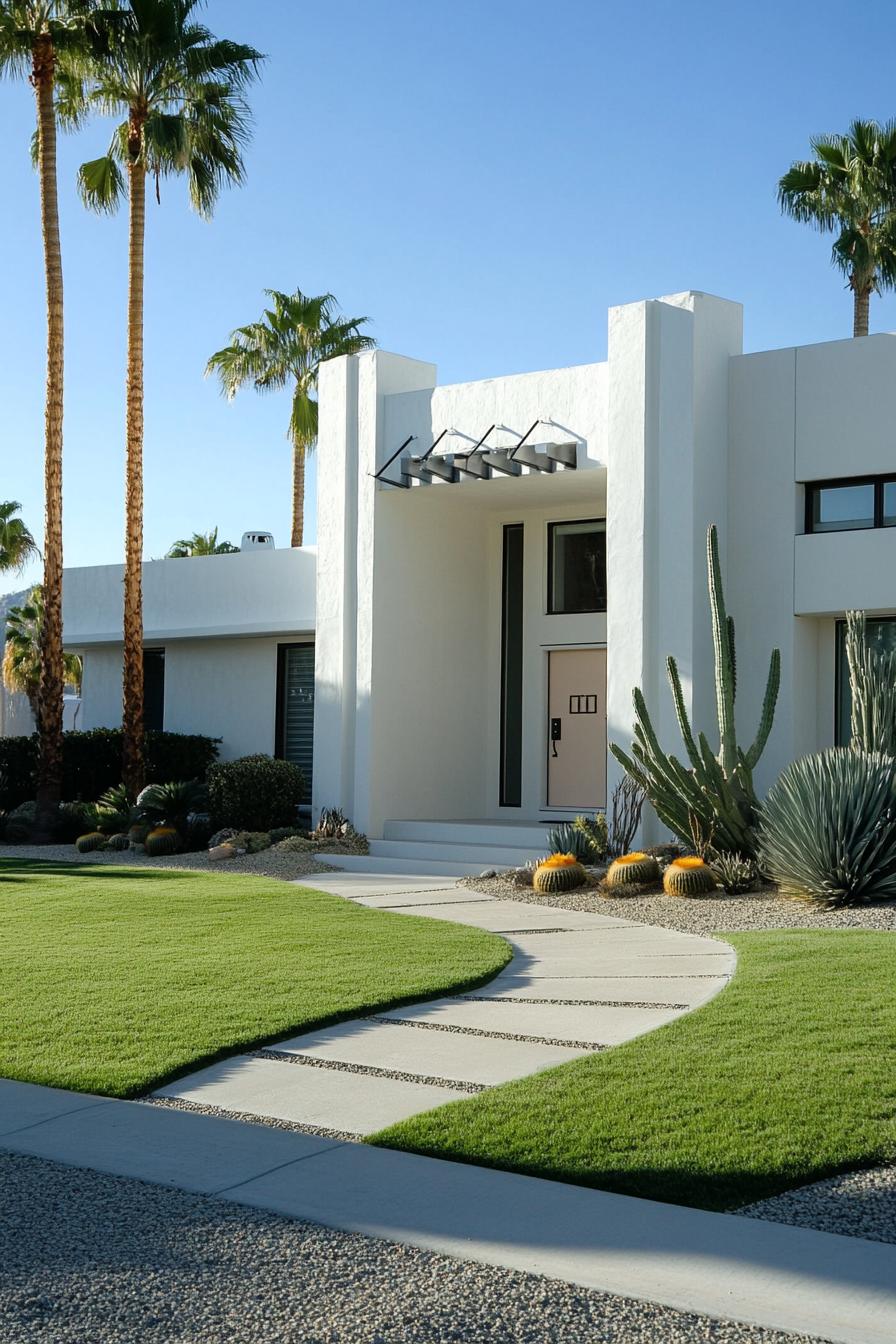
(448, 848)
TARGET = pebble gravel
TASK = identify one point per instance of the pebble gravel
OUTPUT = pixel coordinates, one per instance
(92, 1259)
(269, 863)
(701, 915)
(859, 1204)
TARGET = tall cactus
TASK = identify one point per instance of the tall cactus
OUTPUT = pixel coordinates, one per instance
(872, 684)
(717, 791)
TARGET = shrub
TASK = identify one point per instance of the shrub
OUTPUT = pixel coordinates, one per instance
(298, 844)
(91, 762)
(162, 840)
(255, 793)
(72, 820)
(85, 844)
(279, 833)
(253, 842)
(16, 832)
(828, 828)
(111, 813)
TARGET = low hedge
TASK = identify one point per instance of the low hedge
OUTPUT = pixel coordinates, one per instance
(254, 793)
(91, 762)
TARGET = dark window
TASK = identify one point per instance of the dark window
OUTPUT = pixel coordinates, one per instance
(881, 632)
(577, 567)
(295, 708)
(154, 688)
(845, 506)
(511, 785)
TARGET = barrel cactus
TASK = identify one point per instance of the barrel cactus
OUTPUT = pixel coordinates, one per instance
(633, 870)
(688, 876)
(119, 842)
(559, 872)
(163, 840)
(86, 844)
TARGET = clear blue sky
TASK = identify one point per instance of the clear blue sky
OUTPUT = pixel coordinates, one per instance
(483, 177)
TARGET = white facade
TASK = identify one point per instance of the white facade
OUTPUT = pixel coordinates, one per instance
(407, 596)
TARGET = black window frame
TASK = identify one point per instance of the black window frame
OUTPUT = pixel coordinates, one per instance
(814, 488)
(510, 782)
(154, 721)
(280, 708)
(573, 522)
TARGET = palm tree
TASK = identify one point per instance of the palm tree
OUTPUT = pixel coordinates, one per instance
(180, 91)
(22, 651)
(35, 36)
(17, 545)
(201, 543)
(288, 344)
(849, 188)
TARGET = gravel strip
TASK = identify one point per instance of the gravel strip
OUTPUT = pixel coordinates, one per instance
(271, 1121)
(492, 1035)
(269, 863)
(312, 1062)
(859, 1204)
(706, 915)
(92, 1259)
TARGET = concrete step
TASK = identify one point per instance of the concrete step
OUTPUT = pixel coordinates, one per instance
(392, 867)
(486, 855)
(508, 834)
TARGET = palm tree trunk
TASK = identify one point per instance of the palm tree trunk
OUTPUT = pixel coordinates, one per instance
(132, 717)
(52, 679)
(861, 306)
(298, 494)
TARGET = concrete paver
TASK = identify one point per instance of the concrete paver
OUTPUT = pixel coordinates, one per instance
(354, 1103)
(595, 1024)
(658, 989)
(431, 1054)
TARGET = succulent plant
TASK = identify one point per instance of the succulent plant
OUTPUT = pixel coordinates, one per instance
(559, 872)
(119, 842)
(567, 838)
(688, 876)
(596, 833)
(634, 869)
(85, 844)
(252, 842)
(162, 840)
(735, 873)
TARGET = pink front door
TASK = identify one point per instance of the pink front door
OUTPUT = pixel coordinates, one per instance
(577, 728)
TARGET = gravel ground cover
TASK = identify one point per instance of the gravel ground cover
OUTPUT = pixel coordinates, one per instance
(860, 1204)
(700, 915)
(92, 1259)
(269, 863)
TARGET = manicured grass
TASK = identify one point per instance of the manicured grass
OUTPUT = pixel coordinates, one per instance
(113, 980)
(788, 1076)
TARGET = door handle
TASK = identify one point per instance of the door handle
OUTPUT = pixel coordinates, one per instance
(556, 734)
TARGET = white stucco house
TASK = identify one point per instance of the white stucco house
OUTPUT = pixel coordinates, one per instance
(500, 562)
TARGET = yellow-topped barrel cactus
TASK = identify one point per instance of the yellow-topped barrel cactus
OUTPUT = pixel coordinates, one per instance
(559, 872)
(688, 876)
(633, 870)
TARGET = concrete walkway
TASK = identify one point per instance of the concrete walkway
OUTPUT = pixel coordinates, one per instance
(577, 983)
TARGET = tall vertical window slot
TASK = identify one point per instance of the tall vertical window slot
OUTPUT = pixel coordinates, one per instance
(154, 689)
(295, 709)
(511, 789)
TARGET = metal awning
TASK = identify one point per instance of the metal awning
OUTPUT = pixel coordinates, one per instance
(481, 462)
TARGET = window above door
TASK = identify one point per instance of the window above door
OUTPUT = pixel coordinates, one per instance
(851, 504)
(577, 566)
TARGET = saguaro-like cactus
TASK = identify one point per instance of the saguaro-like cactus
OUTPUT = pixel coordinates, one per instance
(872, 685)
(717, 791)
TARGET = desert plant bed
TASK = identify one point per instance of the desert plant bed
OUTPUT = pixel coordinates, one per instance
(716, 913)
(114, 980)
(786, 1077)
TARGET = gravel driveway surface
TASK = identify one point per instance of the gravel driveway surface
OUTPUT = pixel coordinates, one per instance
(93, 1259)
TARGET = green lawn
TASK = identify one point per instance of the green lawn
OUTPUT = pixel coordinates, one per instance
(113, 980)
(788, 1076)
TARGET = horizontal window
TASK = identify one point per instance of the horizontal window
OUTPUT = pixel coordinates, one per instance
(847, 505)
(577, 567)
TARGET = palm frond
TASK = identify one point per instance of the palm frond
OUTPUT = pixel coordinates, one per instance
(101, 185)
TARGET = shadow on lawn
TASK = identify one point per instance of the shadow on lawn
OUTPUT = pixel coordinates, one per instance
(11, 868)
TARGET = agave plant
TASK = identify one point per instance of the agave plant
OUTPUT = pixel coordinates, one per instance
(567, 838)
(828, 828)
